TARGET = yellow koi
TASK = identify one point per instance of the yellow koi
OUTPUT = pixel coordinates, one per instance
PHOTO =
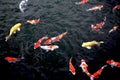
(88, 45)
(13, 30)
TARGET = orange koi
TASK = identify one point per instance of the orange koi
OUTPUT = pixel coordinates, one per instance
(12, 59)
(55, 39)
(35, 21)
(113, 63)
(116, 7)
(71, 67)
(98, 26)
(38, 43)
(84, 66)
(81, 2)
(97, 73)
(98, 7)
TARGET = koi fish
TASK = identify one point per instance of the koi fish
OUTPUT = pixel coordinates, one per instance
(38, 43)
(13, 30)
(84, 66)
(88, 45)
(55, 39)
(98, 26)
(12, 59)
(22, 5)
(113, 29)
(50, 47)
(97, 73)
(71, 67)
(98, 7)
(113, 63)
(116, 7)
(81, 2)
(35, 21)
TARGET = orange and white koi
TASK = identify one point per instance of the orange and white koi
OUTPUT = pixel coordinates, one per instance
(12, 59)
(97, 73)
(55, 39)
(98, 26)
(38, 43)
(113, 63)
(116, 7)
(71, 67)
(84, 66)
(98, 7)
(34, 21)
(81, 2)
(113, 29)
(50, 47)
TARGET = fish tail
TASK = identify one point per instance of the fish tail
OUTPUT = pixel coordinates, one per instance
(87, 10)
(99, 43)
(7, 37)
(91, 77)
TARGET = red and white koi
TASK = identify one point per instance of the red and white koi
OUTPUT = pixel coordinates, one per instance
(97, 73)
(38, 43)
(50, 47)
(113, 29)
(12, 59)
(84, 66)
(81, 2)
(34, 21)
(116, 7)
(71, 67)
(98, 26)
(113, 63)
(55, 39)
(98, 7)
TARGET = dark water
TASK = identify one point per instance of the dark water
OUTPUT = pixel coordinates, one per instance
(57, 16)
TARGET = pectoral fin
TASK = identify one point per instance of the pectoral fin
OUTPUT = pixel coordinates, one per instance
(18, 29)
(47, 50)
(88, 47)
(14, 32)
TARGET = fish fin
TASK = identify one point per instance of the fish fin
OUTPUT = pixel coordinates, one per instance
(18, 29)
(105, 65)
(110, 31)
(91, 77)
(52, 49)
(14, 32)
(47, 50)
(87, 10)
(101, 42)
(88, 47)
(7, 37)
(112, 66)
(80, 66)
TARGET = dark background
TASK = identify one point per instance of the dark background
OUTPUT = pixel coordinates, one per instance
(58, 16)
